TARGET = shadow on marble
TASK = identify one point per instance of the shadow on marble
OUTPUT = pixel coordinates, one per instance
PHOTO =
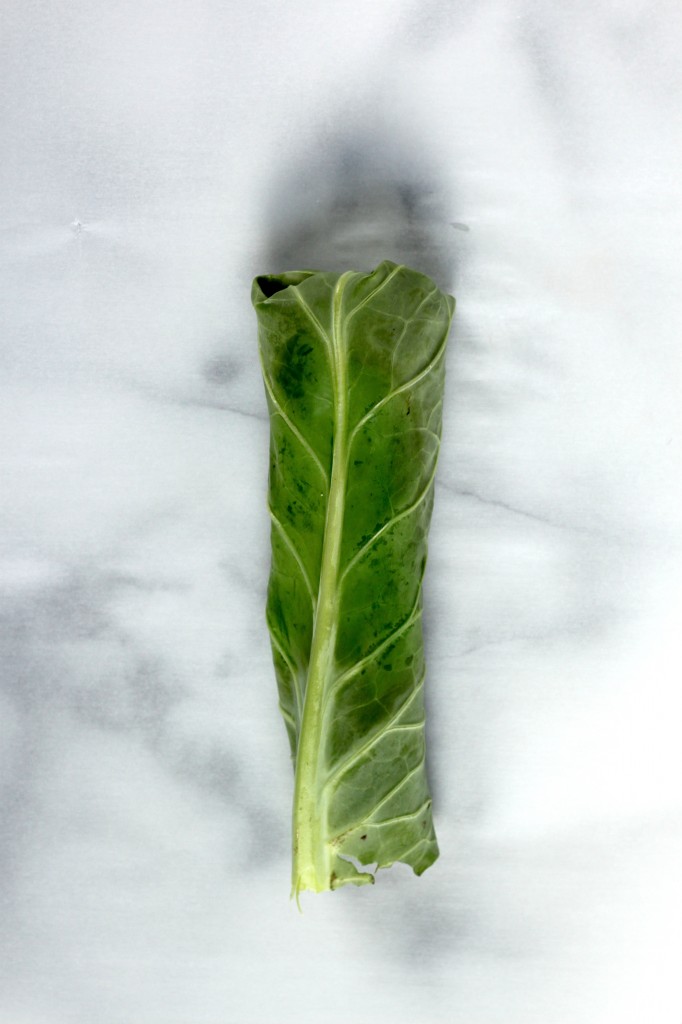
(351, 200)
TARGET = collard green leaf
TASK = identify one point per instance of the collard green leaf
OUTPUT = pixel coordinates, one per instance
(353, 366)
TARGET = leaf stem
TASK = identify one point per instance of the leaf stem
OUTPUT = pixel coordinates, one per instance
(312, 854)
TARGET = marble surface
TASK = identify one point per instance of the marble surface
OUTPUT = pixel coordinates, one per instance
(155, 156)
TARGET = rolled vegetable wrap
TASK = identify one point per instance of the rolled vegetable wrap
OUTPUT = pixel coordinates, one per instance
(353, 366)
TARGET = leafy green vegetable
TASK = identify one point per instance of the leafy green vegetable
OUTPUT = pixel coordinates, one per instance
(353, 366)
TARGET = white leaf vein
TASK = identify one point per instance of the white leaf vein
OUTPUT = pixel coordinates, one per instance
(425, 839)
(399, 817)
(437, 356)
(316, 323)
(294, 551)
(391, 793)
(295, 681)
(384, 730)
(279, 411)
(391, 522)
(373, 294)
(336, 684)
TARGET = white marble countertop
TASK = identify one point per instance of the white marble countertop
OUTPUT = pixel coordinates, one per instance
(155, 158)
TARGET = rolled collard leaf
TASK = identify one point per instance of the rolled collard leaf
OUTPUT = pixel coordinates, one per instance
(353, 366)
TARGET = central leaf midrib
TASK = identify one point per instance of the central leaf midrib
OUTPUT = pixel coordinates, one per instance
(312, 854)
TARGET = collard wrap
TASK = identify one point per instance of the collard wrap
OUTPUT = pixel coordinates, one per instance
(353, 366)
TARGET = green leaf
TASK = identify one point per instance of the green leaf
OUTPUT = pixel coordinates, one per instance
(353, 366)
